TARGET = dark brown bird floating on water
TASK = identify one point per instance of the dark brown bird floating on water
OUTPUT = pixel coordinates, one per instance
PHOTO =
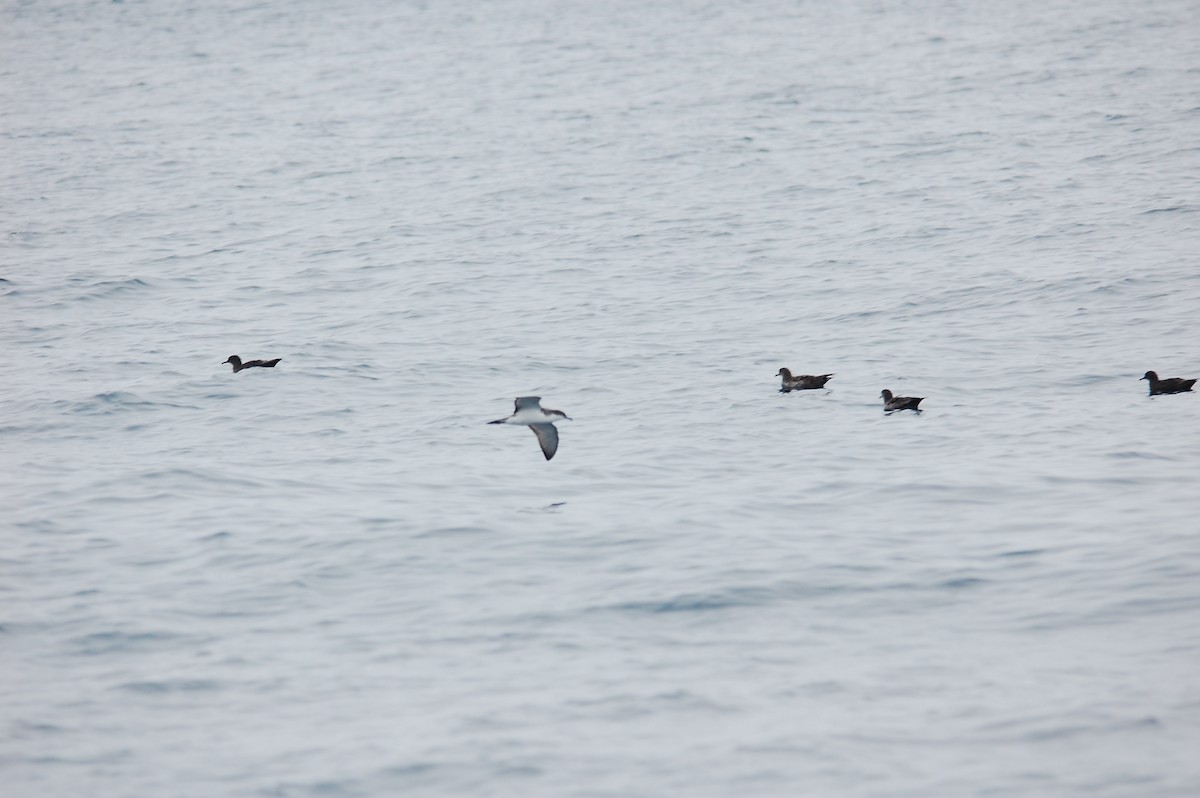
(1169, 385)
(891, 403)
(804, 382)
(238, 365)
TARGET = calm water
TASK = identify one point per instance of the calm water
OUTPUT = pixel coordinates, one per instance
(334, 579)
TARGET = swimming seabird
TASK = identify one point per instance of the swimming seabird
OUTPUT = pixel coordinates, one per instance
(804, 382)
(527, 410)
(1169, 385)
(238, 365)
(891, 403)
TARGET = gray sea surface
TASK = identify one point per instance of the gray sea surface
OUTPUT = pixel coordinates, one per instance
(334, 579)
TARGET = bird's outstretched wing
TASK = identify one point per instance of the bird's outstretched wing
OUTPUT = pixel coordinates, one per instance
(526, 402)
(547, 436)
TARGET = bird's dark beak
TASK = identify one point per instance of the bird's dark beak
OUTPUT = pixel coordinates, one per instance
(1141, 378)
(497, 421)
(223, 362)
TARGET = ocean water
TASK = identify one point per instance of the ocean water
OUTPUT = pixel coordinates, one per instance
(333, 579)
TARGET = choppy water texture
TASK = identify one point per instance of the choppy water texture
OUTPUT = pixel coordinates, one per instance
(334, 579)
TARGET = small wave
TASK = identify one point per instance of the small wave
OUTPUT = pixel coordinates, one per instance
(118, 642)
(699, 602)
(110, 402)
(548, 508)
(29, 429)
(964, 582)
(105, 403)
(1132, 455)
(1022, 553)
(626, 705)
(171, 686)
(175, 473)
(102, 289)
(414, 769)
(1172, 209)
(33, 727)
(1041, 729)
(451, 530)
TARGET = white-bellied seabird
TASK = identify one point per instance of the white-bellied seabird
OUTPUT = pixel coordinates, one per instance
(529, 412)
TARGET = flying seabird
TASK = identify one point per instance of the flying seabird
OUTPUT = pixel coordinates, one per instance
(527, 410)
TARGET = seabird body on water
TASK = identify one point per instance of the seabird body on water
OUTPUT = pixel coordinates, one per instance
(891, 403)
(238, 365)
(528, 411)
(803, 382)
(1169, 385)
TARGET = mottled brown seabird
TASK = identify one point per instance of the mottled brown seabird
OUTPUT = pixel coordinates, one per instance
(891, 403)
(1169, 385)
(528, 411)
(238, 365)
(804, 382)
